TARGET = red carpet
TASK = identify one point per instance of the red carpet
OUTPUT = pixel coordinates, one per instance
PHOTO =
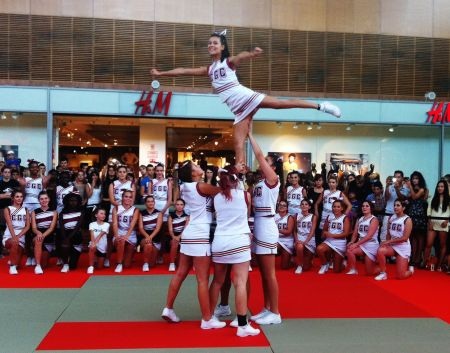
(141, 335)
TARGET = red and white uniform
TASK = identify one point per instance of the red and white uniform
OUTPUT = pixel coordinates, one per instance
(18, 218)
(241, 100)
(304, 225)
(285, 241)
(149, 221)
(118, 189)
(336, 226)
(160, 190)
(32, 189)
(231, 244)
(70, 221)
(328, 199)
(265, 237)
(178, 222)
(396, 230)
(195, 237)
(294, 198)
(124, 218)
(370, 247)
(44, 220)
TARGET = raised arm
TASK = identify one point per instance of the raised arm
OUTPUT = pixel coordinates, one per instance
(269, 173)
(245, 55)
(180, 71)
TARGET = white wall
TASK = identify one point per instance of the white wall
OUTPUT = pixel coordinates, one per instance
(408, 148)
(152, 143)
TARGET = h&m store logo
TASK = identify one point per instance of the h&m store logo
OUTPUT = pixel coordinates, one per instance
(161, 104)
(439, 113)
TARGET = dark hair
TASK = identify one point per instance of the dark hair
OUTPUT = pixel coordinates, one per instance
(15, 192)
(340, 202)
(223, 40)
(89, 178)
(43, 192)
(214, 176)
(436, 199)
(228, 180)
(122, 167)
(64, 159)
(98, 209)
(30, 163)
(292, 155)
(371, 205)
(149, 197)
(404, 203)
(72, 195)
(377, 184)
(185, 172)
(180, 199)
(422, 183)
(399, 172)
(307, 201)
(6, 167)
(317, 177)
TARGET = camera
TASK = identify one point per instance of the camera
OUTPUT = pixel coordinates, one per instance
(394, 180)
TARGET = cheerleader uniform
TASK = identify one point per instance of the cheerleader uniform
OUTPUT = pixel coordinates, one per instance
(336, 226)
(118, 188)
(103, 242)
(160, 190)
(265, 237)
(304, 225)
(396, 230)
(285, 241)
(70, 221)
(44, 220)
(178, 222)
(18, 218)
(231, 244)
(241, 100)
(195, 237)
(32, 189)
(370, 247)
(149, 221)
(124, 218)
(294, 198)
(328, 199)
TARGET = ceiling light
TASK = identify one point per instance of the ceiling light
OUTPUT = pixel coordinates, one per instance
(391, 129)
(106, 145)
(309, 127)
(216, 143)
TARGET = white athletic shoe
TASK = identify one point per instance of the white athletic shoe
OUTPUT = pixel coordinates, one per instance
(119, 268)
(261, 314)
(169, 315)
(381, 277)
(145, 267)
(65, 268)
(269, 319)
(323, 269)
(330, 108)
(90, 270)
(38, 270)
(106, 263)
(222, 310)
(352, 271)
(13, 270)
(298, 270)
(172, 267)
(247, 330)
(212, 323)
(234, 323)
(29, 261)
(411, 269)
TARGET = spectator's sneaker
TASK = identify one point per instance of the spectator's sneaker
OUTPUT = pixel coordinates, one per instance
(145, 267)
(261, 314)
(33, 261)
(247, 330)
(38, 270)
(29, 262)
(298, 270)
(119, 268)
(381, 277)
(172, 267)
(90, 270)
(234, 323)
(222, 310)
(212, 324)
(169, 315)
(269, 319)
(65, 268)
(13, 270)
(323, 269)
(352, 271)
(330, 108)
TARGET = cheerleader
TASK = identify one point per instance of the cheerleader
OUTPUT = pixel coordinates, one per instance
(177, 222)
(243, 102)
(43, 225)
(70, 221)
(285, 223)
(231, 247)
(124, 220)
(294, 193)
(396, 243)
(335, 232)
(150, 221)
(305, 241)
(98, 231)
(17, 220)
(364, 241)
(117, 187)
(195, 248)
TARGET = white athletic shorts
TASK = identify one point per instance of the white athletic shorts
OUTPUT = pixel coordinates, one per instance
(265, 236)
(8, 236)
(195, 240)
(231, 249)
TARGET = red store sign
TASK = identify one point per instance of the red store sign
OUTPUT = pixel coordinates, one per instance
(439, 113)
(161, 102)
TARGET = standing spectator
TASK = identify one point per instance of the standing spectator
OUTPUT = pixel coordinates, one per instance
(12, 161)
(7, 186)
(377, 199)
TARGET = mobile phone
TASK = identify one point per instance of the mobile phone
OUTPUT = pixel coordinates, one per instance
(394, 180)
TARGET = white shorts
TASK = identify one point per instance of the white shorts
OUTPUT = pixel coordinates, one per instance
(265, 236)
(370, 249)
(338, 245)
(195, 240)
(231, 249)
(403, 249)
(102, 245)
(244, 102)
(287, 243)
(311, 245)
(132, 239)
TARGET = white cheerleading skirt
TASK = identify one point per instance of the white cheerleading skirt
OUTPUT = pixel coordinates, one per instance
(311, 245)
(403, 249)
(287, 243)
(338, 245)
(243, 102)
(265, 236)
(231, 249)
(195, 240)
(370, 249)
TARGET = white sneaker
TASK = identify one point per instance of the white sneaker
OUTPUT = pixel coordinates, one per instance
(381, 277)
(172, 267)
(411, 269)
(323, 269)
(145, 267)
(59, 262)
(330, 108)
(65, 268)
(13, 270)
(269, 319)
(298, 270)
(29, 262)
(106, 263)
(330, 266)
(38, 270)
(261, 314)
(352, 271)
(247, 330)
(169, 315)
(119, 268)
(33, 261)
(234, 323)
(212, 323)
(90, 270)
(222, 310)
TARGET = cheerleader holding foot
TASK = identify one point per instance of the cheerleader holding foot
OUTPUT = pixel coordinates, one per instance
(305, 240)
(243, 102)
(98, 231)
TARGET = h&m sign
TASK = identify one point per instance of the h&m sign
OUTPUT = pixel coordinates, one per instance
(439, 113)
(161, 102)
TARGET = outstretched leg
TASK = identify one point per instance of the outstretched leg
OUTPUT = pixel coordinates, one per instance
(275, 103)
